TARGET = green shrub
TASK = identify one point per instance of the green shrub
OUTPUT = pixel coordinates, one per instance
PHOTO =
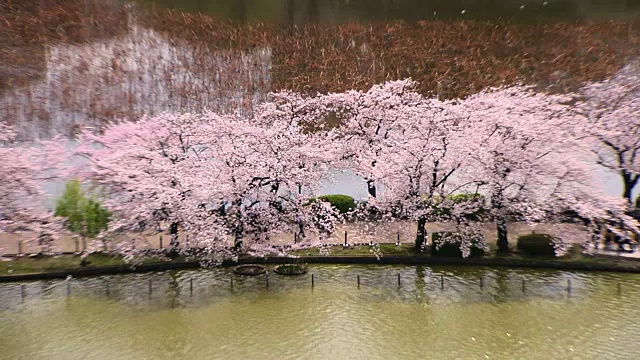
(536, 244)
(443, 208)
(343, 203)
(83, 215)
(452, 248)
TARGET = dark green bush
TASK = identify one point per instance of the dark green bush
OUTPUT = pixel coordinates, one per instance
(452, 249)
(343, 203)
(443, 208)
(536, 244)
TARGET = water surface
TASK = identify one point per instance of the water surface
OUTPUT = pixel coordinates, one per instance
(558, 315)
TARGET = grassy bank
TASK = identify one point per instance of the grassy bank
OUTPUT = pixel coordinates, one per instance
(26, 264)
(98, 264)
(44, 264)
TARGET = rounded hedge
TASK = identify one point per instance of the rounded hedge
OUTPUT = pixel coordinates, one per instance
(452, 248)
(343, 203)
(443, 207)
(536, 244)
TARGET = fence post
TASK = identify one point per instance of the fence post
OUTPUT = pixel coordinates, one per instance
(398, 241)
(358, 276)
(191, 287)
(19, 247)
(398, 279)
(311, 280)
(345, 238)
(160, 241)
(23, 292)
(481, 282)
(442, 282)
(569, 286)
(150, 287)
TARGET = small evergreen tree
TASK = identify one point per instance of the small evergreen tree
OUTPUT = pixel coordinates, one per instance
(84, 215)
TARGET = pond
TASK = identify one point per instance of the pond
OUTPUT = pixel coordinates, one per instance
(435, 312)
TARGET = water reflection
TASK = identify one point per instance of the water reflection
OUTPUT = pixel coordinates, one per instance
(336, 319)
(420, 284)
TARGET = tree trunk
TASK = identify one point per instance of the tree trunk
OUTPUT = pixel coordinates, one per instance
(500, 219)
(238, 238)
(629, 181)
(503, 242)
(371, 188)
(173, 231)
(421, 234)
(626, 193)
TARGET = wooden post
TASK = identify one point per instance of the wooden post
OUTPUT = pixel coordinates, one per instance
(523, 284)
(398, 279)
(345, 238)
(23, 292)
(311, 280)
(77, 245)
(569, 286)
(358, 281)
(19, 247)
(191, 287)
(160, 241)
(398, 242)
(481, 282)
(232, 282)
(150, 287)
(442, 282)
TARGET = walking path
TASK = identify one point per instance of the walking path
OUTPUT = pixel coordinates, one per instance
(355, 233)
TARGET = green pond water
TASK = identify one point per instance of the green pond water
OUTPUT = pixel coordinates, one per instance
(118, 317)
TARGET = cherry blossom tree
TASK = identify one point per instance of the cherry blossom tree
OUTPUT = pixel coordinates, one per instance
(609, 122)
(529, 162)
(395, 138)
(515, 146)
(507, 143)
(367, 122)
(22, 170)
(217, 177)
(140, 165)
